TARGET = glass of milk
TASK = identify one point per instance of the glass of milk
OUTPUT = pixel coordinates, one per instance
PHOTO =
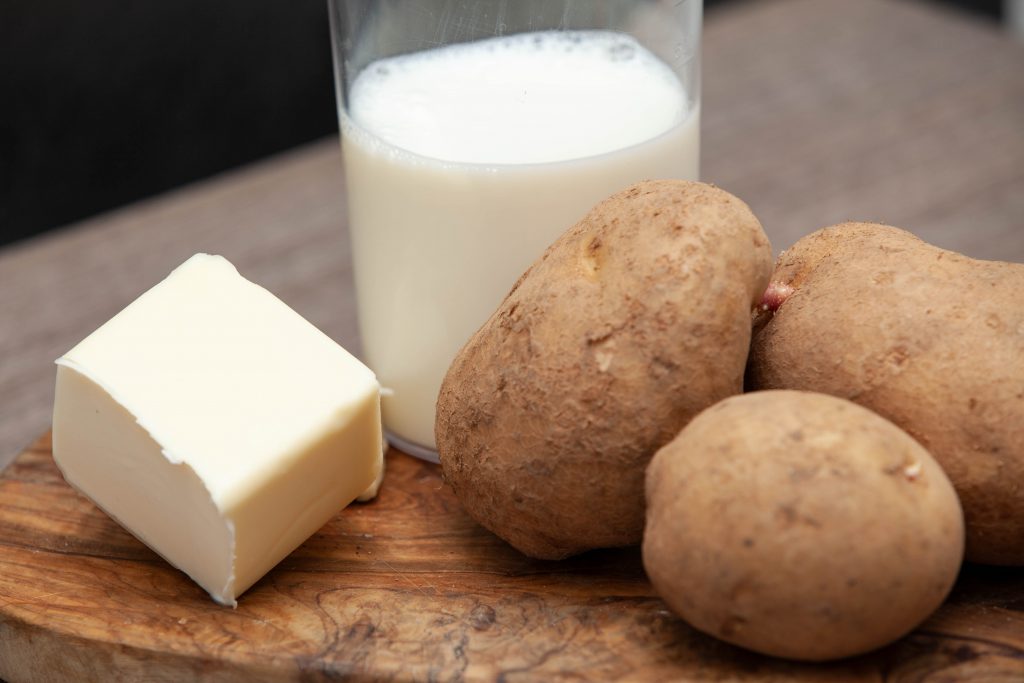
(475, 132)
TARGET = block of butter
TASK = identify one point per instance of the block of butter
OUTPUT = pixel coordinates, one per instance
(216, 424)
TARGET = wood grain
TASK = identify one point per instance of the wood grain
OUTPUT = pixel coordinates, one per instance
(406, 588)
(815, 111)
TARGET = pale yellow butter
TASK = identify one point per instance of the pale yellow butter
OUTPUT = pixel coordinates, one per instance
(216, 424)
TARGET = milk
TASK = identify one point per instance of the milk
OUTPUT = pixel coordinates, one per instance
(463, 163)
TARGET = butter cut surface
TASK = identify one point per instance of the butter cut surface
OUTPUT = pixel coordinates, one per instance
(216, 424)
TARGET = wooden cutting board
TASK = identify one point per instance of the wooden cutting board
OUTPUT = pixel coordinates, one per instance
(404, 588)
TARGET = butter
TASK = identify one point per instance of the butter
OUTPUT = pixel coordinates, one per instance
(216, 424)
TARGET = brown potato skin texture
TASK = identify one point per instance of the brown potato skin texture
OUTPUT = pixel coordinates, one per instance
(800, 525)
(633, 321)
(928, 338)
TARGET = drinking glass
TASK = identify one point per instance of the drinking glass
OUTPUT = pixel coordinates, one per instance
(475, 132)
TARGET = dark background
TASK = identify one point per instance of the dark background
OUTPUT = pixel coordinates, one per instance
(108, 101)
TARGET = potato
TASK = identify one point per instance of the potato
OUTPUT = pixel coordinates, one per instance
(930, 339)
(633, 321)
(800, 525)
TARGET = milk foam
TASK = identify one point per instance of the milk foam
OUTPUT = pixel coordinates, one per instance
(520, 99)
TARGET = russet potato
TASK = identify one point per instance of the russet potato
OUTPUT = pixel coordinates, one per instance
(800, 525)
(632, 322)
(928, 338)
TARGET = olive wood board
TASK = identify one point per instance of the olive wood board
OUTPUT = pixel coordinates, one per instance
(406, 588)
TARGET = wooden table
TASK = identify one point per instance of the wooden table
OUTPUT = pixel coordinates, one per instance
(815, 111)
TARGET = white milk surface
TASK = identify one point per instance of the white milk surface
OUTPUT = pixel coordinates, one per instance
(463, 163)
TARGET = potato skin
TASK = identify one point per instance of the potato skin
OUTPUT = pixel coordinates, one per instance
(928, 338)
(633, 321)
(800, 525)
